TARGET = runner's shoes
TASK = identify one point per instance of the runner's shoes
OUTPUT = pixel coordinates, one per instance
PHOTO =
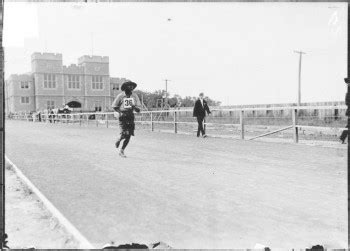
(121, 153)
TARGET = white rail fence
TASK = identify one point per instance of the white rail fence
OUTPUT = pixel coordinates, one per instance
(324, 122)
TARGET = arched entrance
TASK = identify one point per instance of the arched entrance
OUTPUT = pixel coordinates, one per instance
(74, 104)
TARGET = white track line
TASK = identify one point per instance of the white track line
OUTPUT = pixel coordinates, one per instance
(83, 242)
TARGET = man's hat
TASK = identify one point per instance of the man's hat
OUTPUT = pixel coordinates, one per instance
(128, 83)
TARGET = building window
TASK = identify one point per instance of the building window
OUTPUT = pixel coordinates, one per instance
(50, 104)
(49, 81)
(25, 100)
(115, 87)
(97, 83)
(98, 106)
(73, 82)
(24, 85)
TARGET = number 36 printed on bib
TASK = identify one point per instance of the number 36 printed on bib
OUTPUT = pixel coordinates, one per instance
(128, 102)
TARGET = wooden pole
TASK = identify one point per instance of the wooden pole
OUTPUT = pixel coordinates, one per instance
(241, 122)
(299, 81)
(295, 128)
(299, 76)
(152, 128)
(175, 122)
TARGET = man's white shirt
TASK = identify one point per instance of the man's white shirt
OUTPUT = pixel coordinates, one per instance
(201, 101)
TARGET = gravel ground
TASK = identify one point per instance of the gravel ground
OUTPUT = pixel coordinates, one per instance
(185, 191)
(28, 223)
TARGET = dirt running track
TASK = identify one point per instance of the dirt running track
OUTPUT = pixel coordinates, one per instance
(188, 192)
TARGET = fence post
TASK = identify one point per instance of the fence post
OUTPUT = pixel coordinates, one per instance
(241, 122)
(87, 119)
(96, 120)
(152, 127)
(80, 119)
(295, 128)
(175, 122)
(106, 118)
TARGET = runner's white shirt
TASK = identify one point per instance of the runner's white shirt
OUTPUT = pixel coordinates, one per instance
(125, 103)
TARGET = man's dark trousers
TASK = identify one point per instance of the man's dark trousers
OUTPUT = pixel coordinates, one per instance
(200, 120)
(344, 135)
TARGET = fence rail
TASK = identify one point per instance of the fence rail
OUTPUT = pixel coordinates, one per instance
(250, 123)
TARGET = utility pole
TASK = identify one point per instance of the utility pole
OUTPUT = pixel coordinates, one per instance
(166, 91)
(299, 82)
(92, 44)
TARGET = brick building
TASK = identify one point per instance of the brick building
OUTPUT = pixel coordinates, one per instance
(86, 86)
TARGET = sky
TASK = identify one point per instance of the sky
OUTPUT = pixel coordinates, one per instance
(236, 53)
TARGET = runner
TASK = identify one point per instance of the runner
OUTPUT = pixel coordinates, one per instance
(125, 104)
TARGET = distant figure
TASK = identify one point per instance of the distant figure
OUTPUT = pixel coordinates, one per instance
(125, 104)
(66, 109)
(39, 116)
(51, 116)
(200, 107)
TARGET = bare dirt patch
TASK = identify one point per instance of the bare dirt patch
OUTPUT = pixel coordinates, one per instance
(28, 223)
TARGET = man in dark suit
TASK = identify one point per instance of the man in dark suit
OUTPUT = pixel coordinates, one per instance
(200, 107)
(345, 133)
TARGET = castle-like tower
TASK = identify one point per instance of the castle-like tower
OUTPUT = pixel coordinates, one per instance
(48, 80)
(86, 86)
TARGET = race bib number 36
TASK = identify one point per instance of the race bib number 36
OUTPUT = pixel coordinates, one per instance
(127, 102)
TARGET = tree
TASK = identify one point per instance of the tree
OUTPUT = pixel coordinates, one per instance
(212, 102)
(150, 99)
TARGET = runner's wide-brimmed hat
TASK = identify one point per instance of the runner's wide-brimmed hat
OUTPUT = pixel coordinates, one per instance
(128, 83)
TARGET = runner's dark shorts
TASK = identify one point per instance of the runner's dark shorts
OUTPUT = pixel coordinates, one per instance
(127, 125)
